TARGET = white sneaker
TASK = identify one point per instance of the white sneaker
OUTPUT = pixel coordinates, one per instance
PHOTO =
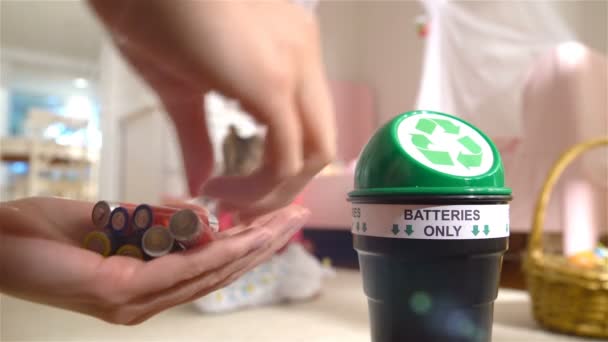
(293, 275)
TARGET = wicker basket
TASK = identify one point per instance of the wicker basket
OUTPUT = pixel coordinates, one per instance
(566, 298)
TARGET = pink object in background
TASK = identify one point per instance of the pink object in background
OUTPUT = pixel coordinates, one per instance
(564, 103)
(355, 117)
(579, 222)
(356, 120)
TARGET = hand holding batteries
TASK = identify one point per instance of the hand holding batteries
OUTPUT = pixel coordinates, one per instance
(264, 54)
(41, 260)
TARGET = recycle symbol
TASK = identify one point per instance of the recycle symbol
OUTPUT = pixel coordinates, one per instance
(421, 140)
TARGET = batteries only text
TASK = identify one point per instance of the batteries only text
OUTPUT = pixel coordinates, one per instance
(444, 215)
(442, 230)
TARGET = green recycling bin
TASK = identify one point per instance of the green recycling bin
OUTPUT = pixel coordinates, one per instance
(431, 225)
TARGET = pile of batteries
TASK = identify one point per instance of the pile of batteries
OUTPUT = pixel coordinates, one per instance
(145, 232)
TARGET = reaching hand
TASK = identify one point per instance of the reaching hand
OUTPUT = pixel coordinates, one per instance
(264, 54)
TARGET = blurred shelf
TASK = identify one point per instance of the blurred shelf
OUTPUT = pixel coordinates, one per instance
(24, 149)
(53, 169)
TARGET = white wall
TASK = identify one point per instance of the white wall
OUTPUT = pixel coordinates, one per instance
(340, 28)
(588, 20)
(121, 93)
(375, 43)
(391, 54)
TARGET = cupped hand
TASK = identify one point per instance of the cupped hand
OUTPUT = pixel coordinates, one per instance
(41, 260)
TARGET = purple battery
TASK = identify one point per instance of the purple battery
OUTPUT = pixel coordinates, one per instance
(143, 217)
(119, 221)
(102, 210)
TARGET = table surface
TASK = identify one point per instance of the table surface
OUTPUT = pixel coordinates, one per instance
(339, 313)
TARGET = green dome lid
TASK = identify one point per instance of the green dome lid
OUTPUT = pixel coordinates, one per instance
(429, 153)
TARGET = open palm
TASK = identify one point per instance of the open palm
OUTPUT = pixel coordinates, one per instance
(40, 260)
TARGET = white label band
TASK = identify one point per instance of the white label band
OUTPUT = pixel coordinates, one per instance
(428, 222)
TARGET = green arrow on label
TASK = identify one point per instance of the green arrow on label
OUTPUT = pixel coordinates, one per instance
(425, 136)
(395, 229)
(426, 126)
(409, 230)
(486, 229)
(437, 157)
(507, 227)
(364, 228)
(357, 226)
(475, 230)
(420, 140)
(470, 144)
(447, 126)
(469, 160)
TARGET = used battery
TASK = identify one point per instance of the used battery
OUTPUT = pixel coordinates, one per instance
(119, 221)
(145, 216)
(189, 230)
(101, 242)
(131, 251)
(100, 215)
(102, 210)
(157, 241)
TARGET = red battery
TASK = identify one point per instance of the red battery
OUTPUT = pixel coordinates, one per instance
(190, 229)
(157, 241)
(145, 216)
(102, 210)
